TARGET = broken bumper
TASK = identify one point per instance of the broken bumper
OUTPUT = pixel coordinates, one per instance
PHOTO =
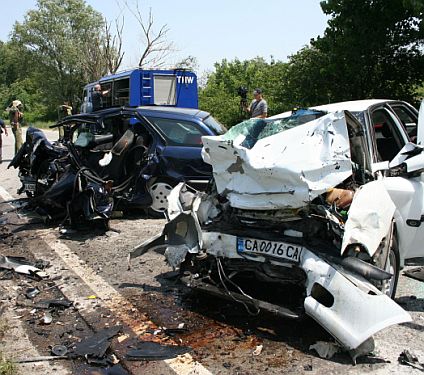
(349, 307)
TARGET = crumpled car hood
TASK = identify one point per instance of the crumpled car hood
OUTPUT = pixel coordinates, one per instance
(287, 169)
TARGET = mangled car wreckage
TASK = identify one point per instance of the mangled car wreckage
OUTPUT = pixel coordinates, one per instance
(115, 159)
(302, 217)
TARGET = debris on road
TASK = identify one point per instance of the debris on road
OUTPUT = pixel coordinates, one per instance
(41, 359)
(95, 347)
(54, 303)
(32, 292)
(21, 266)
(409, 359)
(415, 273)
(59, 350)
(326, 349)
(46, 318)
(153, 351)
(258, 350)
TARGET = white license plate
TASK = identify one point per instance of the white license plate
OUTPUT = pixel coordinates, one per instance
(269, 248)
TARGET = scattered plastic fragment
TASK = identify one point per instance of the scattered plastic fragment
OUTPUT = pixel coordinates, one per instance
(59, 350)
(96, 345)
(52, 303)
(32, 292)
(122, 338)
(415, 273)
(364, 349)
(409, 359)
(325, 349)
(153, 351)
(174, 331)
(92, 297)
(21, 266)
(258, 350)
(46, 318)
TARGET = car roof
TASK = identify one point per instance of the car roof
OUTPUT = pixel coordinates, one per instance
(143, 110)
(173, 110)
(352, 106)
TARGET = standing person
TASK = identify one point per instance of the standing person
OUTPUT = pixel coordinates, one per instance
(259, 107)
(2, 126)
(64, 110)
(15, 117)
(97, 97)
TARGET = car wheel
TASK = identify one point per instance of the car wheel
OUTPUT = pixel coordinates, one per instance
(392, 265)
(160, 190)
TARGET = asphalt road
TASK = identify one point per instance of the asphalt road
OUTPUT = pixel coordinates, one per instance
(222, 336)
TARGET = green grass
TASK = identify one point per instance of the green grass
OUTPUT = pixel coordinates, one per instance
(7, 367)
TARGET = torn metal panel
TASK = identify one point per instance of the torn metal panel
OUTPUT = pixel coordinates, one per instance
(370, 217)
(287, 169)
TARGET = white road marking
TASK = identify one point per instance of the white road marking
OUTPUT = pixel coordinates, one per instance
(114, 301)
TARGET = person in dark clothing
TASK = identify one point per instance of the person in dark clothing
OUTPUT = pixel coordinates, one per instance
(97, 97)
(2, 126)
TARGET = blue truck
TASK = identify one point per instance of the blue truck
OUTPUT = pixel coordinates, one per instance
(142, 87)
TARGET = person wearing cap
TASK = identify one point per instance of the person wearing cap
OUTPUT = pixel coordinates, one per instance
(259, 107)
(15, 117)
(2, 126)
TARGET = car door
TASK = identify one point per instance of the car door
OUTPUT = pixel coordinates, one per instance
(181, 153)
(407, 192)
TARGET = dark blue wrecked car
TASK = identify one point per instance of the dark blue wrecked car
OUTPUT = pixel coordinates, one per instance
(119, 158)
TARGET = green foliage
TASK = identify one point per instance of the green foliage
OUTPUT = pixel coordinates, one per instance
(372, 48)
(219, 96)
(52, 54)
(7, 367)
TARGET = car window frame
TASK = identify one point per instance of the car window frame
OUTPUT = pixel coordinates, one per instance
(164, 137)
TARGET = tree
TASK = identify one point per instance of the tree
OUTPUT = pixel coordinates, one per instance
(372, 48)
(156, 46)
(220, 94)
(64, 41)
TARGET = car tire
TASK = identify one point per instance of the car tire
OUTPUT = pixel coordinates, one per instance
(391, 265)
(160, 189)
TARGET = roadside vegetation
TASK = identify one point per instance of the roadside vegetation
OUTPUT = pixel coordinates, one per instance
(370, 49)
(7, 366)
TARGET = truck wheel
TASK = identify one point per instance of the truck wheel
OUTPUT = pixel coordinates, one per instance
(160, 190)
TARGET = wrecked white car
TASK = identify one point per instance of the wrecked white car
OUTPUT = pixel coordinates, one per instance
(302, 217)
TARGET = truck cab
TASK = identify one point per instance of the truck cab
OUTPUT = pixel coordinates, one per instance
(141, 87)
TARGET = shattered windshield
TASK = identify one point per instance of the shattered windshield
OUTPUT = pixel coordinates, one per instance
(256, 129)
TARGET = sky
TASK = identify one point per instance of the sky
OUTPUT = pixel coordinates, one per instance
(207, 30)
